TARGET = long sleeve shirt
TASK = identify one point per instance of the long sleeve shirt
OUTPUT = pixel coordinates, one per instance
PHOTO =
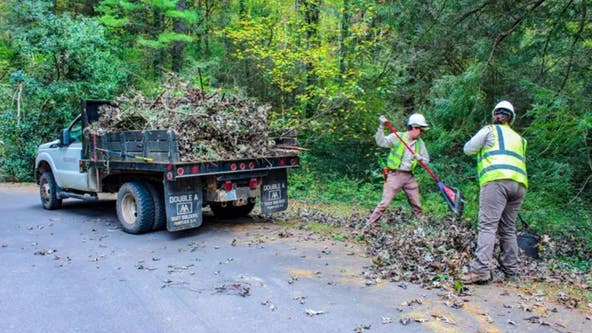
(390, 140)
(483, 139)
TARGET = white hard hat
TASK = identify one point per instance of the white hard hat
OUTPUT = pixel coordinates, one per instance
(505, 105)
(418, 120)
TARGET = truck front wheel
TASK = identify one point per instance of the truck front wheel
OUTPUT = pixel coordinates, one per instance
(231, 212)
(135, 208)
(48, 191)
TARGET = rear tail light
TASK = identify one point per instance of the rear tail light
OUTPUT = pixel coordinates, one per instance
(253, 183)
(228, 186)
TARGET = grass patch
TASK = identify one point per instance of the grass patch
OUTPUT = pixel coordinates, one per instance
(551, 291)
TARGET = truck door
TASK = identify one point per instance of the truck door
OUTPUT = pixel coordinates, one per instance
(68, 157)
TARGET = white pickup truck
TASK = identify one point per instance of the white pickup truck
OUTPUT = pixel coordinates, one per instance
(154, 188)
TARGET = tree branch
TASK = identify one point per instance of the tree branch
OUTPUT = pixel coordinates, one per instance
(506, 33)
(471, 12)
(548, 39)
(573, 48)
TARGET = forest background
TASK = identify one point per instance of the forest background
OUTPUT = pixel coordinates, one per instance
(328, 68)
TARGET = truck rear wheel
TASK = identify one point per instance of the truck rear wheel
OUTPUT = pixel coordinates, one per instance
(135, 208)
(156, 191)
(48, 191)
(231, 212)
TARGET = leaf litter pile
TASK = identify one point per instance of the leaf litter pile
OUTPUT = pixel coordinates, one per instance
(208, 126)
(434, 253)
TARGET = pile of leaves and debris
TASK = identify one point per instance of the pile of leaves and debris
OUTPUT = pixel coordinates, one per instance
(208, 126)
(435, 253)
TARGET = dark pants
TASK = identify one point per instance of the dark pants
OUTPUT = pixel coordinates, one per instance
(499, 203)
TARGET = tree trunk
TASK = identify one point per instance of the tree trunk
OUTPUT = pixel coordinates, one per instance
(342, 41)
(157, 55)
(311, 19)
(178, 47)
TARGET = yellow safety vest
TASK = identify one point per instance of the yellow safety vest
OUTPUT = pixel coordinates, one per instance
(395, 156)
(506, 159)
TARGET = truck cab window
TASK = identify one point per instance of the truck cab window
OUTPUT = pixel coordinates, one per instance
(76, 130)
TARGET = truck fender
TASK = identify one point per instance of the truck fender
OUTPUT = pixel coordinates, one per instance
(45, 158)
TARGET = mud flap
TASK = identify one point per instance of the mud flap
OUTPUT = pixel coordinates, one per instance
(274, 192)
(183, 201)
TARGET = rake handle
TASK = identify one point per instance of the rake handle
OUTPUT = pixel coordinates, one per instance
(422, 163)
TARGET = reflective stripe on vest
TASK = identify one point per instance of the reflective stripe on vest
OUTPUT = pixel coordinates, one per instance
(505, 159)
(395, 156)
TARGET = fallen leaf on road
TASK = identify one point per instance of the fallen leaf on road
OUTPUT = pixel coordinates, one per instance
(300, 299)
(443, 318)
(44, 252)
(142, 267)
(238, 288)
(311, 312)
(362, 328)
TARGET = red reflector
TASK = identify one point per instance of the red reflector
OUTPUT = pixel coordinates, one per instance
(282, 162)
(251, 165)
(169, 167)
(169, 175)
(293, 161)
(253, 183)
(195, 169)
(233, 166)
(242, 166)
(180, 171)
(228, 186)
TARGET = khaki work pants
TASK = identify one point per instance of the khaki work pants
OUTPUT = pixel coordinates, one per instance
(499, 203)
(395, 181)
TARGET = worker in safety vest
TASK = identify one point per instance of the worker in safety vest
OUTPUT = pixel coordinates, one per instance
(401, 163)
(501, 167)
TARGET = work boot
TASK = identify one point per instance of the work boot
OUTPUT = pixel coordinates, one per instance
(471, 277)
(512, 278)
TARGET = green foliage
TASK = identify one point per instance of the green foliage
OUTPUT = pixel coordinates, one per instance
(57, 62)
(328, 69)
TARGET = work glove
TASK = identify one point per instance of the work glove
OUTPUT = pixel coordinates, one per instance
(382, 120)
(417, 156)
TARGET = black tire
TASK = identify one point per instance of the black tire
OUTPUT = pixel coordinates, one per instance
(48, 191)
(156, 191)
(230, 211)
(135, 208)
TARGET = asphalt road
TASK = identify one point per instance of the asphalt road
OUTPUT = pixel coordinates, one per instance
(74, 270)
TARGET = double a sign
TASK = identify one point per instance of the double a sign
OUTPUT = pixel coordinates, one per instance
(183, 204)
(274, 192)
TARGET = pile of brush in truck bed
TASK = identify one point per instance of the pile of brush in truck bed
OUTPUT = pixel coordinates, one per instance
(209, 126)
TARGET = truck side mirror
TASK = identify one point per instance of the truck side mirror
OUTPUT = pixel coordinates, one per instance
(65, 140)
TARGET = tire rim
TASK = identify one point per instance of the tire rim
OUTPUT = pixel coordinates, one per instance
(129, 208)
(45, 190)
